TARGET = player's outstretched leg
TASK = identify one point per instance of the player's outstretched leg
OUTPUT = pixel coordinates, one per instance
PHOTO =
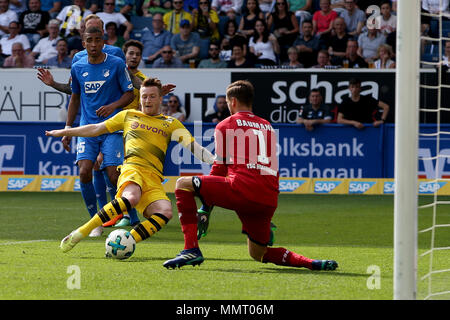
(109, 211)
(203, 218)
(284, 257)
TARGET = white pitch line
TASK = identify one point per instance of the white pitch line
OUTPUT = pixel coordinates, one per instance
(21, 242)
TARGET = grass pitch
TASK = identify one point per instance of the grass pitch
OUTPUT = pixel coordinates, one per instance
(356, 231)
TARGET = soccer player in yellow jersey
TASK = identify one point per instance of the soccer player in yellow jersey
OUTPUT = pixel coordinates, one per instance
(147, 134)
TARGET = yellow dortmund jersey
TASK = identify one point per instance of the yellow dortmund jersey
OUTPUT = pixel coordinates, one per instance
(135, 103)
(147, 137)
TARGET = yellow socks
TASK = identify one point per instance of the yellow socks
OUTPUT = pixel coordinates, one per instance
(149, 227)
(108, 212)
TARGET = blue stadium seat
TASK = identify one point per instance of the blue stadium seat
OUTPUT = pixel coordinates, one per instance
(204, 48)
(136, 34)
(431, 53)
(140, 23)
(446, 28)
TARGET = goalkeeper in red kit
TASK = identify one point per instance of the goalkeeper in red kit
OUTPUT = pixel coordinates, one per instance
(243, 178)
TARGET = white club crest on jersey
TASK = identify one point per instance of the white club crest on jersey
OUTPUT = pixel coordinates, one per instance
(106, 73)
(85, 74)
(93, 86)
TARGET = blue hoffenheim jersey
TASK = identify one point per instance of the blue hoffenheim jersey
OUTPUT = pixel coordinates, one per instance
(111, 50)
(99, 85)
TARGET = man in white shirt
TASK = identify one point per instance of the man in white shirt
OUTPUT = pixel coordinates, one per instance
(46, 47)
(6, 16)
(7, 41)
(230, 8)
(70, 17)
(108, 15)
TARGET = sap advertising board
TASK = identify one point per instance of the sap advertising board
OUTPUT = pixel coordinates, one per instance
(331, 151)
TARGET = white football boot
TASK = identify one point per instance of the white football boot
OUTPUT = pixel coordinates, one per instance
(71, 240)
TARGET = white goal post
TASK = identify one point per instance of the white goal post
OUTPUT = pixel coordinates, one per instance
(406, 149)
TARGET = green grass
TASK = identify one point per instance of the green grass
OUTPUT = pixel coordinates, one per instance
(357, 231)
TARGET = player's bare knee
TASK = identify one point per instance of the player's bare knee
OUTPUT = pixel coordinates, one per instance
(85, 175)
(184, 183)
(163, 207)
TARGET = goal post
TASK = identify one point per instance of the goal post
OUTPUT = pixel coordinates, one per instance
(406, 149)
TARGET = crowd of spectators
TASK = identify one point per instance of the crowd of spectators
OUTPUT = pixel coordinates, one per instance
(216, 33)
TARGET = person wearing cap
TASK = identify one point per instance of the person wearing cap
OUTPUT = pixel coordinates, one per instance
(186, 43)
(173, 18)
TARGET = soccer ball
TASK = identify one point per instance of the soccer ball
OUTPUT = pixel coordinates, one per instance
(120, 244)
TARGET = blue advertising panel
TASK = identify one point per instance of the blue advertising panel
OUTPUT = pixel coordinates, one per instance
(330, 151)
(25, 149)
(430, 166)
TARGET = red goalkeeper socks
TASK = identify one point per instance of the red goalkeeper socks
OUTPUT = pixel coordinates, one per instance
(187, 211)
(284, 257)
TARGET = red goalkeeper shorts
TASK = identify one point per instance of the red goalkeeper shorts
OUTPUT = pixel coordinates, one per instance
(255, 217)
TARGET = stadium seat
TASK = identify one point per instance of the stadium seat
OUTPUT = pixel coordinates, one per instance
(204, 48)
(136, 34)
(431, 53)
(446, 28)
(140, 23)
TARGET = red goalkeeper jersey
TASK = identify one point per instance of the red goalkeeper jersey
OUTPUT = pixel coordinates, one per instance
(246, 152)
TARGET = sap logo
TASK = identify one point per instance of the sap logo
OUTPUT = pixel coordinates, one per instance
(76, 185)
(18, 183)
(389, 187)
(93, 86)
(290, 185)
(430, 187)
(325, 186)
(51, 184)
(359, 186)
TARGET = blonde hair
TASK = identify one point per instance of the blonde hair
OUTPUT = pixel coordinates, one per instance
(386, 47)
(91, 17)
(152, 82)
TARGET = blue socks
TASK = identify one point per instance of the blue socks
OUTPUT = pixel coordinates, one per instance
(100, 188)
(89, 197)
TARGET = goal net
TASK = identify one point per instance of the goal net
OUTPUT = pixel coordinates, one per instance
(433, 276)
(422, 219)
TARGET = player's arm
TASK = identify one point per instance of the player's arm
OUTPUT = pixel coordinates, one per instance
(201, 152)
(89, 130)
(136, 81)
(46, 77)
(126, 98)
(72, 110)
